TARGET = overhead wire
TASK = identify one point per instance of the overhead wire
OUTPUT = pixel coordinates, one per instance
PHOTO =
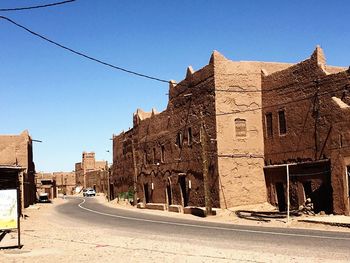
(82, 54)
(151, 77)
(279, 104)
(36, 6)
(111, 65)
(231, 155)
(240, 111)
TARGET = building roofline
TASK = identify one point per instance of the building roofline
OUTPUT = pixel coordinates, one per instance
(12, 167)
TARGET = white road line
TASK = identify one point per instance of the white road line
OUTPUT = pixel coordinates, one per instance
(210, 227)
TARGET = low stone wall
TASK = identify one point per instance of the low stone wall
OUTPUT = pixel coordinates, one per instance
(156, 206)
(175, 208)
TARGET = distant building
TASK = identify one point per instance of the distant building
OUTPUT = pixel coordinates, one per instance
(88, 165)
(98, 180)
(56, 183)
(256, 117)
(16, 151)
(66, 182)
(45, 183)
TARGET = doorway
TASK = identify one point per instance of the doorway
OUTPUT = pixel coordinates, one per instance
(307, 189)
(146, 194)
(111, 192)
(168, 195)
(348, 182)
(182, 182)
(281, 199)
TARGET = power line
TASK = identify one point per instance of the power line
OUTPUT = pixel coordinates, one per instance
(82, 54)
(154, 78)
(282, 87)
(36, 7)
(109, 64)
(142, 144)
(277, 105)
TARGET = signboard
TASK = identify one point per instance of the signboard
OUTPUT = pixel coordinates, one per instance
(8, 209)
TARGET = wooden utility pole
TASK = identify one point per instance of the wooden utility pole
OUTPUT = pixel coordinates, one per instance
(288, 198)
(316, 115)
(135, 170)
(204, 144)
(108, 184)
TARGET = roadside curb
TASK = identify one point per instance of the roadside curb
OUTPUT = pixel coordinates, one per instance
(347, 225)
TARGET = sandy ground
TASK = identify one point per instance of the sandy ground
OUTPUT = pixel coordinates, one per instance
(46, 236)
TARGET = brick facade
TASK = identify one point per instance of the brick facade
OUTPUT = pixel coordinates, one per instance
(65, 182)
(88, 164)
(314, 99)
(16, 150)
(256, 115)
(92, 173)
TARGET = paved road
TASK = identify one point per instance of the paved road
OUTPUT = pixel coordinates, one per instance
(287, 241)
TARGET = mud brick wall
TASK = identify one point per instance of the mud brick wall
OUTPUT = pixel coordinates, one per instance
(16, 150)
(314, 98)
(174, 168)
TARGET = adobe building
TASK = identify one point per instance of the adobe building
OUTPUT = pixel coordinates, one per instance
(220, 118)
(88, 165)
(16, 154)
(306, 125)
(167, 163)
(65, 182)
(98, 180)
(56, 183)
(45, 183)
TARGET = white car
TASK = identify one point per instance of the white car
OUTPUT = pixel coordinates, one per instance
(89, 192)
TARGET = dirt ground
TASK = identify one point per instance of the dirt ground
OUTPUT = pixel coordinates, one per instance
(47, 236)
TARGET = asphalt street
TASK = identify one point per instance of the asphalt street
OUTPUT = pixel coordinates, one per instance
(290, 241)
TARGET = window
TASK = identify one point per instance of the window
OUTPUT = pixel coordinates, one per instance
(189, 135)
(282, 122)
(268, 120)
(241, 128)
(179, 139)
(162, 156)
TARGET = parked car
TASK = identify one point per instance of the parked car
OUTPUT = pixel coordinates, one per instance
(44, 198)
(89, 192)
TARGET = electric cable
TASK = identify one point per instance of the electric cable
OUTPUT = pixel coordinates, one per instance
(155, 78)
(235, 112)
(36, 7)
(278, 105)
(227, 155)
(82, 54)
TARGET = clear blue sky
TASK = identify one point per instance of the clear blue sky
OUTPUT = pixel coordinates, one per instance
(75, 105)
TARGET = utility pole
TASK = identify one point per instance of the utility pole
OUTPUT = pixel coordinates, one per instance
(109, 184)
(106, 181)
(135, 170)
(288, 198)
(316, 115)
(204, 144)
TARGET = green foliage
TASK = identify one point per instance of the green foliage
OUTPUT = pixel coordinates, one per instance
(129, 195)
